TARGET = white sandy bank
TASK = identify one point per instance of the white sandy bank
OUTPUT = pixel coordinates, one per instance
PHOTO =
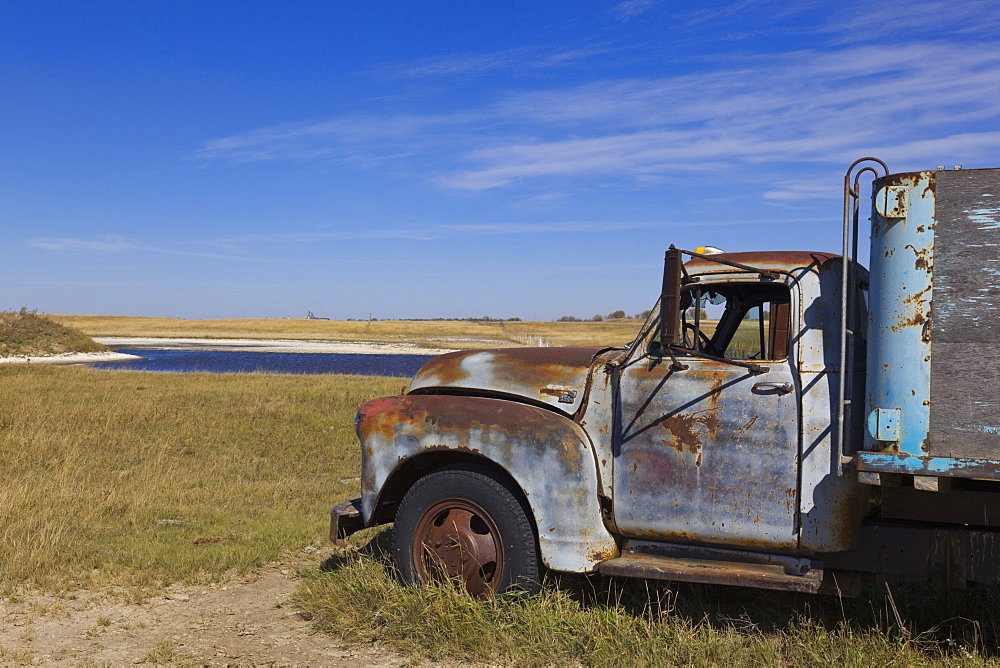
(268, 346)
(69, 358)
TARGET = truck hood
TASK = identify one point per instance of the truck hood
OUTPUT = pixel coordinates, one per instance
(554, 376)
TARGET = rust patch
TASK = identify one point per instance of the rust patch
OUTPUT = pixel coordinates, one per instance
(916, 297)
(438, 419)
(931, 186)
(749, 424)
(446, 368)
(900, 179)
(687, 430)
(713, 393)
(531, 367)
(923, 259)
(375, 406)
(545, 374)
(598, 555)
(916, 320)
(774, 260)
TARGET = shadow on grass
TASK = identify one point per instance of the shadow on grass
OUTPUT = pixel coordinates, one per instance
(374, 543)
(939, 622)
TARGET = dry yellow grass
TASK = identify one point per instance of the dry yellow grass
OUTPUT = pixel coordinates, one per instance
(435, 334)
(25, 332)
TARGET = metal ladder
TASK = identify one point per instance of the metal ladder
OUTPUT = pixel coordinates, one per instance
(852, 197)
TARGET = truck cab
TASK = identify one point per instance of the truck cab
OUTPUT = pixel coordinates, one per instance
(719, 445)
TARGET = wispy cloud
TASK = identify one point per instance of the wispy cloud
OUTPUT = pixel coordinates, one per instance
(107, 244)
(116, 244)
(453, 231)
(433, 231)
(459, 65)
(923, 19)
(338, 138)
(807, 106)
(903, 101)
(629, 8)
(792, 190)
(469, 65)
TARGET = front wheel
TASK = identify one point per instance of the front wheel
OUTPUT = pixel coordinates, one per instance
(468, 526)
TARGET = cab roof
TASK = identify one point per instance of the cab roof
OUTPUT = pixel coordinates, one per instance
(779, 260)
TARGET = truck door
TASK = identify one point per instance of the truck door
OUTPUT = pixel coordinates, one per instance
(710, 453)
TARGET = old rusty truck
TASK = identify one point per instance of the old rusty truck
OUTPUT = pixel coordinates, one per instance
(784, 420)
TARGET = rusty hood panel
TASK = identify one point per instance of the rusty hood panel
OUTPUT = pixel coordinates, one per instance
(554, 376)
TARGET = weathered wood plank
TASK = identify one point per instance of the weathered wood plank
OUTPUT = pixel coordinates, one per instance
(965, 316)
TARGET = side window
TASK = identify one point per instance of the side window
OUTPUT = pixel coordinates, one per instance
(738, 321)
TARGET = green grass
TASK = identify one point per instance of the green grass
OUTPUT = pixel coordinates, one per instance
(607, 622)
(25, 332)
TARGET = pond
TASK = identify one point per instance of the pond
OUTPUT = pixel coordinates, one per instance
(185, 361)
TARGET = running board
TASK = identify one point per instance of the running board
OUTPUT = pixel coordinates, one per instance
(712, 571)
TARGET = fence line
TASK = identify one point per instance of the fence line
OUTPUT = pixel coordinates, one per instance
(528, 339)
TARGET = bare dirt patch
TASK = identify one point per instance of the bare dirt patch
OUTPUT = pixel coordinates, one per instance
(244, 620)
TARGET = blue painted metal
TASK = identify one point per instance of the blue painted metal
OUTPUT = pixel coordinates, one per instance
(899, 346)
(883, 424)
(931, 466)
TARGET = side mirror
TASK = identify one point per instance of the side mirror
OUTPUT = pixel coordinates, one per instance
(670, 299)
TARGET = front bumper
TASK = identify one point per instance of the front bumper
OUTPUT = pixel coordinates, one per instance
(345, 519)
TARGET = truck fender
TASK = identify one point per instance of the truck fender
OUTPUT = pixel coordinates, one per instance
(547, 455)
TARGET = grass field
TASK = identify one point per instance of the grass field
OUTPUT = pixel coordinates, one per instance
(140, 480)
(434, 334)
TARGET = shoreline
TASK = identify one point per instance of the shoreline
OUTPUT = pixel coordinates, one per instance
(267, 346)
(125, 343)
(70, 358)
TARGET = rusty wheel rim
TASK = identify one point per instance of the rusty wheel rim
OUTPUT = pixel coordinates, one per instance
(457, 540)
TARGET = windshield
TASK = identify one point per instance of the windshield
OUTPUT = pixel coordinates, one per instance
(737, 321)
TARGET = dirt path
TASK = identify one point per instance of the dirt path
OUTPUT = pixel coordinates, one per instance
(243, 621)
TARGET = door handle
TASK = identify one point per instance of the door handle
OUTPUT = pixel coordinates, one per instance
(784, 388)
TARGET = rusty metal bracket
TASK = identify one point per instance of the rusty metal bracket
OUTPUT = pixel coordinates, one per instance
(345, 519)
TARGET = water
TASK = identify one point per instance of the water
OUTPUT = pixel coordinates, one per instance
(183, 361)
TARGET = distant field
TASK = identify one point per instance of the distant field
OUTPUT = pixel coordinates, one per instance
(434, 334)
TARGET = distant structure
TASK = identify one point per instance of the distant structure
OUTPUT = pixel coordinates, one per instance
(310, 316)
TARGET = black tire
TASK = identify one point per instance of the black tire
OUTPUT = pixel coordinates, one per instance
(467, 525)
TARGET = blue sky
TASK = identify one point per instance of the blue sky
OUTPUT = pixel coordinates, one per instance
(453, 159)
